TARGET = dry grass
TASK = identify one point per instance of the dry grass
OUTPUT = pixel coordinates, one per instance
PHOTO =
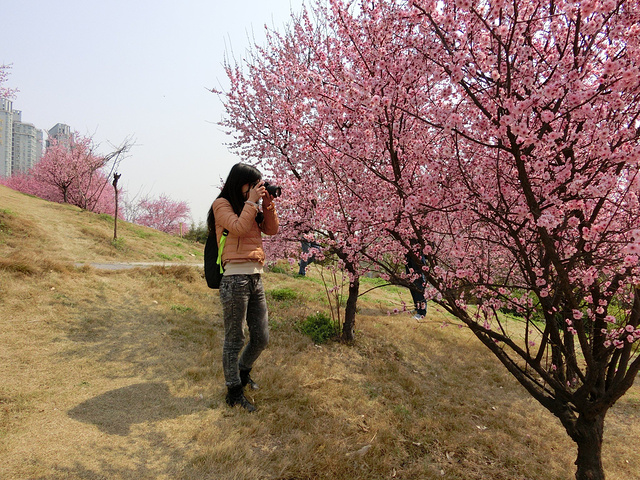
(30, 226)
(117, 375)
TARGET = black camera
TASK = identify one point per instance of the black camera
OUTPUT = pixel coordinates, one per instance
(273, 190)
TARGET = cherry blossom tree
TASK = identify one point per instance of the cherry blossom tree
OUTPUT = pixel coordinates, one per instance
(66, 169)
(26, 183)
(5, 92)
(299, 110)
(163, 214)
(540, 148)
(300, 129)
(78, 174)
(499, 142)
(75, 175)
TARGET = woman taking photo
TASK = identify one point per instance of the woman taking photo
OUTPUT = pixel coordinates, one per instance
(237, 210)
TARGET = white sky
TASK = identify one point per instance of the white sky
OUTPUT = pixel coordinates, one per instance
(117, 68)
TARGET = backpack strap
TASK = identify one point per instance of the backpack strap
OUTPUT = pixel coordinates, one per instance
(223, 240)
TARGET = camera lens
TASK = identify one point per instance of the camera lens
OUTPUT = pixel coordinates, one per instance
(273, 190)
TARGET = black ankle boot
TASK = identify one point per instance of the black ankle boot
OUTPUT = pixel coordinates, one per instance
(246, 379)
(235, 396)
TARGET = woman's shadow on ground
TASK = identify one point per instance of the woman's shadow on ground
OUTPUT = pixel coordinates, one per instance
(114, 412)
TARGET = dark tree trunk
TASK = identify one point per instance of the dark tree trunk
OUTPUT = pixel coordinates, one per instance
(588, 435)
(116, 177)
(348, 327)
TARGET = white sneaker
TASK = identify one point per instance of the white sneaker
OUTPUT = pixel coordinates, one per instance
(417, 316)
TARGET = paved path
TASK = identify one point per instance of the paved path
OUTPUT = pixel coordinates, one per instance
(128, 265)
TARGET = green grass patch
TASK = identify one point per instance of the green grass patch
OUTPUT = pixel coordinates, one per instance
(280, 267)
(283, 294)
(181, 308)
(119, 244)
(164, 256)
(319, 327)
(106, 217)
(140, 233)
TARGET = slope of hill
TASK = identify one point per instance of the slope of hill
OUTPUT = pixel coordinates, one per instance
(117, 375)
(69, 234)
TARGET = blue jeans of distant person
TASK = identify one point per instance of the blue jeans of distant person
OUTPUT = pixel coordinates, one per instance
(242, 298)
(419, 301)
(306, 246)
(417, 293)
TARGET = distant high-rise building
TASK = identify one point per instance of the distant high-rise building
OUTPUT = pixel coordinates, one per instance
(6, 136)
(20, 143)
(27, 145)
(61, 133)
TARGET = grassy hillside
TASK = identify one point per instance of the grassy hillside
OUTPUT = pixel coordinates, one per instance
(56, 232)
(117, 375)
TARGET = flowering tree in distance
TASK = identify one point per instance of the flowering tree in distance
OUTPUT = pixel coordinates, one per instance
(75, 175)
(79, 174)
(163, 214)
(497, 140)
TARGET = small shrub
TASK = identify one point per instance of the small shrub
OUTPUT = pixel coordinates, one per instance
(197, 233)
(280, 267)
(119, 244)
(283, 294)
(4, 216)
(319, 327)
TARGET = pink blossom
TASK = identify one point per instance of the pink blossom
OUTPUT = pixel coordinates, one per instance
(630, 260)
(546, 116)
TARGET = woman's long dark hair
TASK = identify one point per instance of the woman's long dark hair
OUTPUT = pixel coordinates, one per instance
(240, 175)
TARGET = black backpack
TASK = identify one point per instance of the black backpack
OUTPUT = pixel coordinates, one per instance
(212, 269)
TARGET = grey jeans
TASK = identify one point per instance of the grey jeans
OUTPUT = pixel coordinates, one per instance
(242, 298)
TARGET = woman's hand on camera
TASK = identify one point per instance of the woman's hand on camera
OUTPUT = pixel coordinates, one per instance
(257, 192)
(267, 199)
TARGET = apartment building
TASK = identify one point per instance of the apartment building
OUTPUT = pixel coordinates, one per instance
(6, 136)
(27, 145)
(20, 143)
(61, 133)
